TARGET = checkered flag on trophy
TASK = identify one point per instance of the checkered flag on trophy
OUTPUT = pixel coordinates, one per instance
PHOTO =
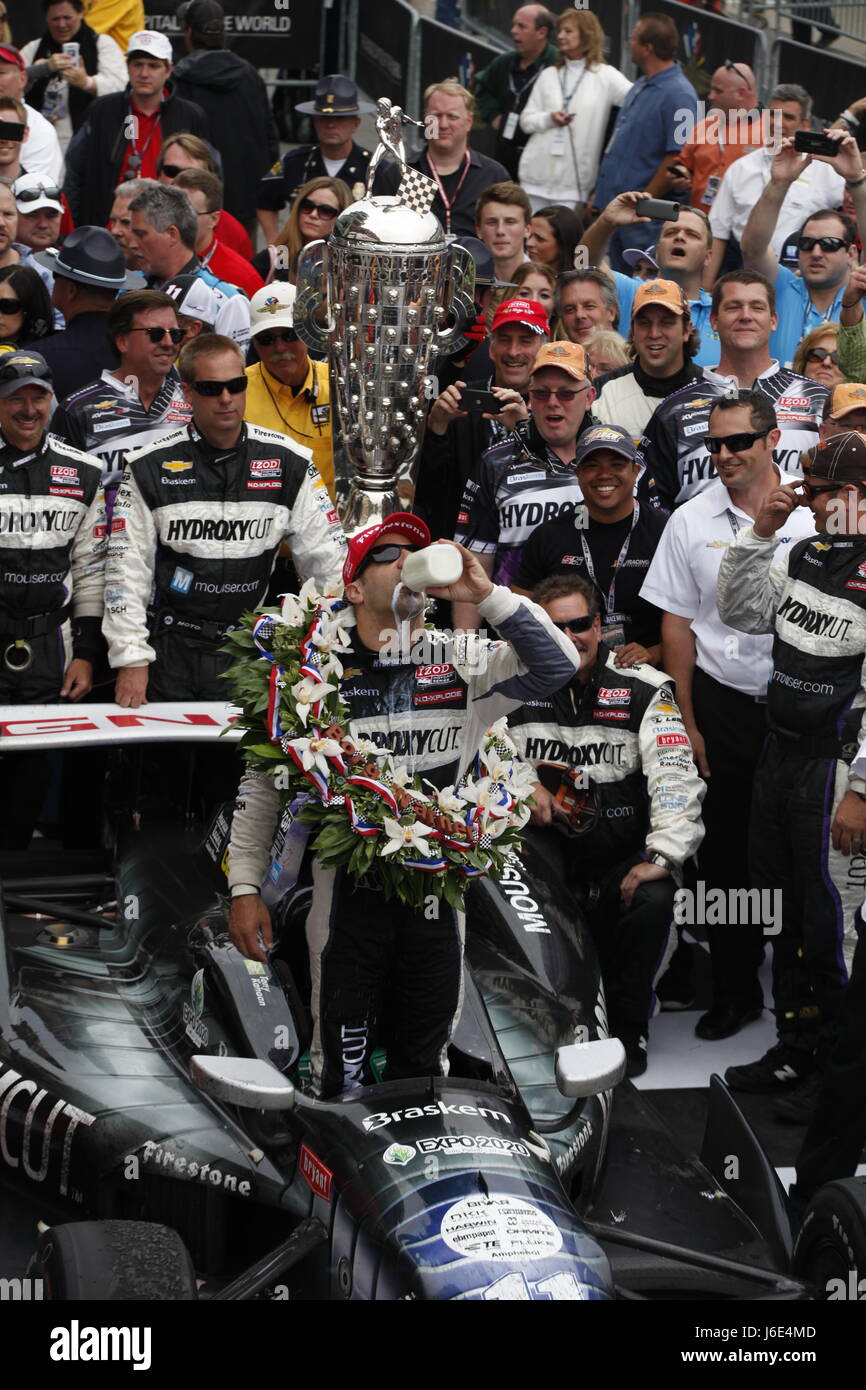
(416, 190)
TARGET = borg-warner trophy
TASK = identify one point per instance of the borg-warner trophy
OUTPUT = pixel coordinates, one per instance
(378, 294)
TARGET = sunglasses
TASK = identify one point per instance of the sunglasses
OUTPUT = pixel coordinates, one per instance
(732, 67)
(276, 335)
(216, 388)
(156, 335)
(12, 306)
(318, 209)
(385, 554)
(32, 195)
(12, 130)
(171, 171)
(826, 243)
(815, 490)
(575, 624)
(564, 393)
(822, 355)
(734, 443)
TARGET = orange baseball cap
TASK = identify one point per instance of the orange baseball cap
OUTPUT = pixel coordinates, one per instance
(568, 357)
(663, 292)
(847, 396)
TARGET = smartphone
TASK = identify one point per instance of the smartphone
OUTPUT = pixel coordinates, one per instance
(479, 402)
(72, 50)
(659, 209)
(813, 142)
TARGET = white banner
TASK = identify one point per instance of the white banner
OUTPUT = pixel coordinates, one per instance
(73, 726)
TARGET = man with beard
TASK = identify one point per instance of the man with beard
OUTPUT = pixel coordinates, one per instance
(826, 244)
(367, 952)
(455, 439)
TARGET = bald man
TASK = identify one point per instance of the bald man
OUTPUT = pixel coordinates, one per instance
(716, 142)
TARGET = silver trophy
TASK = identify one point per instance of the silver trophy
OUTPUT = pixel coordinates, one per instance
(378, 295)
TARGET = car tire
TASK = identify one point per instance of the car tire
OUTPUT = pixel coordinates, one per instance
(832, 1239)
(113, 1261)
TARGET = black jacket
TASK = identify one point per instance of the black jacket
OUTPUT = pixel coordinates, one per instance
(77, 354)
(224, 86)
(96, 151)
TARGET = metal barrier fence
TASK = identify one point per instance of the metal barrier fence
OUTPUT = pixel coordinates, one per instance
(841, 18)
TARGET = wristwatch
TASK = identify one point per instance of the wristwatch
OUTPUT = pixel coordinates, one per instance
(663, 862)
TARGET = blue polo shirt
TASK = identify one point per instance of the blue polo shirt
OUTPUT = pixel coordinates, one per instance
(797, 314)
(658, 114)
(709, 351)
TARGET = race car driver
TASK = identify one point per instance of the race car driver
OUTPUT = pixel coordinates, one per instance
(617, 778)
(673, 449)
(138, 402)
(52, 546)
(808, 806)
(197, 524)
(364, 949)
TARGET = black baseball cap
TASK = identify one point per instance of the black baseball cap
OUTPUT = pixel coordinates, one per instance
(612, 437)
(23, 368)
(840, 459)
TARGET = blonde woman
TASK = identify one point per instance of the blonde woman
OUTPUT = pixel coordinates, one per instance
(606, 351)
(315, 209)
(816, 356)
(567, 113)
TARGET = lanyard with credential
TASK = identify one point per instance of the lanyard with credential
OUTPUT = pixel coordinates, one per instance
(447, 202)
(567, 99)
(610, 597)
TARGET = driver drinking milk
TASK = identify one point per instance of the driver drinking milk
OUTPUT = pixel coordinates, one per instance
(365, 948)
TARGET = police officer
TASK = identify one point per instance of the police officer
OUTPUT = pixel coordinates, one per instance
(197, 524)
(51, 574)
(336, 113)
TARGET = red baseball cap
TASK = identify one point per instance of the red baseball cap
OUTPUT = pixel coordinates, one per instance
(404, 523)
(10, 54)
(525, 311)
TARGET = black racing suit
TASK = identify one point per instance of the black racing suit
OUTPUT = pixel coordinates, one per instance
(677, 465)
(623, 734)
(816, 607)
(52, 557)
(194, 538)
(431, 712)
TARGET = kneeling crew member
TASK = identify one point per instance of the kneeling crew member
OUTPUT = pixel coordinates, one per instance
(616, 773)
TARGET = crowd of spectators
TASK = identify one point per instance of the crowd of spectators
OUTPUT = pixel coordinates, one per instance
(659, 383)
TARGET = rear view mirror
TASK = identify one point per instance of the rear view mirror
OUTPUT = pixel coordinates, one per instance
(584, 1069)
(245, 1081)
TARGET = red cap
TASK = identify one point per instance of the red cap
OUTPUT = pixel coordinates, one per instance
(525, 311)
(9, 54)
(404, 523)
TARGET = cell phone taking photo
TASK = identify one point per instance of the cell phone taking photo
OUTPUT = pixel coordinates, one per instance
(479, 402)
(813, 142)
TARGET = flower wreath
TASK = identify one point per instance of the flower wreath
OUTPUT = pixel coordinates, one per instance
(365, 809)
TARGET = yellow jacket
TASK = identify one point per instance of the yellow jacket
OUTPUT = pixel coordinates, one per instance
(119, 19)
(305, 417)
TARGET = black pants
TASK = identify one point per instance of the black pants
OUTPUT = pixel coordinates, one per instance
(380, 972)
(837, 1130)
(793, 803)
(734, 728)
(24, 777)
(186, 668)
(631, 943)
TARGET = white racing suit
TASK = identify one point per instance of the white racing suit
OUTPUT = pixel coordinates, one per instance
(372, 960)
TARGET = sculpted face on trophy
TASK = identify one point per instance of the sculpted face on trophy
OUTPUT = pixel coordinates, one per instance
(377, 296)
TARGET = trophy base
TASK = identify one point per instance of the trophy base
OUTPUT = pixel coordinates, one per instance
(363, 508)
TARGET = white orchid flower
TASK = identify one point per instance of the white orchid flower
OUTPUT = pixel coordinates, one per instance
(451, 802)
(315, 752)
(494, 825)
(401, 779)
(488, 796)
(307, 692)
(309, 596)
(406, 837)
(367, 749)
(292, 612)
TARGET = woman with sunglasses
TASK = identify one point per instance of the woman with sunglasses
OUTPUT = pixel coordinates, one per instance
(315, 210)
(25, 309)
(817, 358)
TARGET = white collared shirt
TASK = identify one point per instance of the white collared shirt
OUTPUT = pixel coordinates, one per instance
(818, 187)
(683, 574)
